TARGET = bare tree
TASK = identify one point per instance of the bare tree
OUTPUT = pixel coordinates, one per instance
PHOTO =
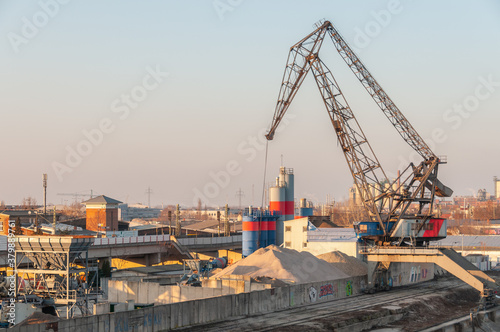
(74, 210)
(198, 210)
(29, 203)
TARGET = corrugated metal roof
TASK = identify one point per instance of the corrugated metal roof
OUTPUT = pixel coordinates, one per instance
(470, 241)
(146, 227)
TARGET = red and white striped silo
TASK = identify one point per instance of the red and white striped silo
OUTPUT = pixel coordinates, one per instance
(281, 199)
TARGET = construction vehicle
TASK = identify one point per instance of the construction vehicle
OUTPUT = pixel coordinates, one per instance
(393, 232)
(387, 202)
(199, 268)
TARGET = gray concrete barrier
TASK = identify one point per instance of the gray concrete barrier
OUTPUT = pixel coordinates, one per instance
(202, 311)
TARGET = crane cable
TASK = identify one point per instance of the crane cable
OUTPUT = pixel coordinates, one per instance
(264, 181)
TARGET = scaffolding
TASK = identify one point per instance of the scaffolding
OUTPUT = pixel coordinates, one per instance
(57, 268)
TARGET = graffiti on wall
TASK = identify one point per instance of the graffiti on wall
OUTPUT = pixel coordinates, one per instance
(348, 288)
(313, 294)
(127, 324)
(325, 290)
(417, 273)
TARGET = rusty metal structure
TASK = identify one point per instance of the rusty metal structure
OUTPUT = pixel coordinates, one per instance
(56, 268)
(386, 202)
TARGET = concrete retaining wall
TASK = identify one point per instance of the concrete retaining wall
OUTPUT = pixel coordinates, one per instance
(150, 292)
(181, 314)
(410, 273)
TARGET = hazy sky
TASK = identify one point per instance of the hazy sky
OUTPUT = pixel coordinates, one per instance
(116, 96)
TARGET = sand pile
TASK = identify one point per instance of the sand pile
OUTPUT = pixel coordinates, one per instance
(284, 264)
(347, 264)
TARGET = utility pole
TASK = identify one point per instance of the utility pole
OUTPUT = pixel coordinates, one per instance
(218, 222)
(44, 177)
(36, 223)
(253, 203)
(177, 221)
(149, 192)
(54, 220)
(227, 231)
(169, 213)
(240, 194)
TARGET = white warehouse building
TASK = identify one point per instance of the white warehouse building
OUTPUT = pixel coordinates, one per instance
(305, 234)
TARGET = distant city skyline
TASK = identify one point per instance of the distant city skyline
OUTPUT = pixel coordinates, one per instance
(121, 96)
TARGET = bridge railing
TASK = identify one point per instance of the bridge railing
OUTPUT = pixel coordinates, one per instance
(109, 241)
(206, 241)
(201, 241)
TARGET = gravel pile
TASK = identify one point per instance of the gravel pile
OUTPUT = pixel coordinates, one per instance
(286, 265)
(348, 264)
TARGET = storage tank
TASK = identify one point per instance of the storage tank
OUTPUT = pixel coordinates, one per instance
(287, 179)
(263, 226)
(304, 212)
(271, 228)
(305, 209)
(250, 240)
(281, 200)
(303, 203)
(277, 198)
(277, 206)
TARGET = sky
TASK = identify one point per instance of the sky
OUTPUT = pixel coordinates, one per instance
(119, 96)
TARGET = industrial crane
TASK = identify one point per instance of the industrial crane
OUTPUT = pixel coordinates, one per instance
(387, 203)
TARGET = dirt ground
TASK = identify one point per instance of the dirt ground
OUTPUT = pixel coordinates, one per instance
(433, 310)
(417, 313)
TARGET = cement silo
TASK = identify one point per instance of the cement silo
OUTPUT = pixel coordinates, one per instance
(286, 177)
(281, 200)
(305, 209)
(259, 231)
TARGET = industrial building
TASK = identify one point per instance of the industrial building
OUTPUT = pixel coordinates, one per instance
(128, 212)
(102, 214)
(306, 234)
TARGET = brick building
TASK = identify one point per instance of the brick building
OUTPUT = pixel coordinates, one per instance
(102, 214)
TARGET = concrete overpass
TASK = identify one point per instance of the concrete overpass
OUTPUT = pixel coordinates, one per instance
(149, 249)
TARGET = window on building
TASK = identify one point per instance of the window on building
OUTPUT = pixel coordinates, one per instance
(288, 244)
(304, 245)
(304, 229)
(288, 228)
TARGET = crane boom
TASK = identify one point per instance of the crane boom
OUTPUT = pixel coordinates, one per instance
(297, 67)
(361, 159)
(378, 94)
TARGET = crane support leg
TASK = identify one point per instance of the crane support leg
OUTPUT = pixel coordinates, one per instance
(448, 259)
